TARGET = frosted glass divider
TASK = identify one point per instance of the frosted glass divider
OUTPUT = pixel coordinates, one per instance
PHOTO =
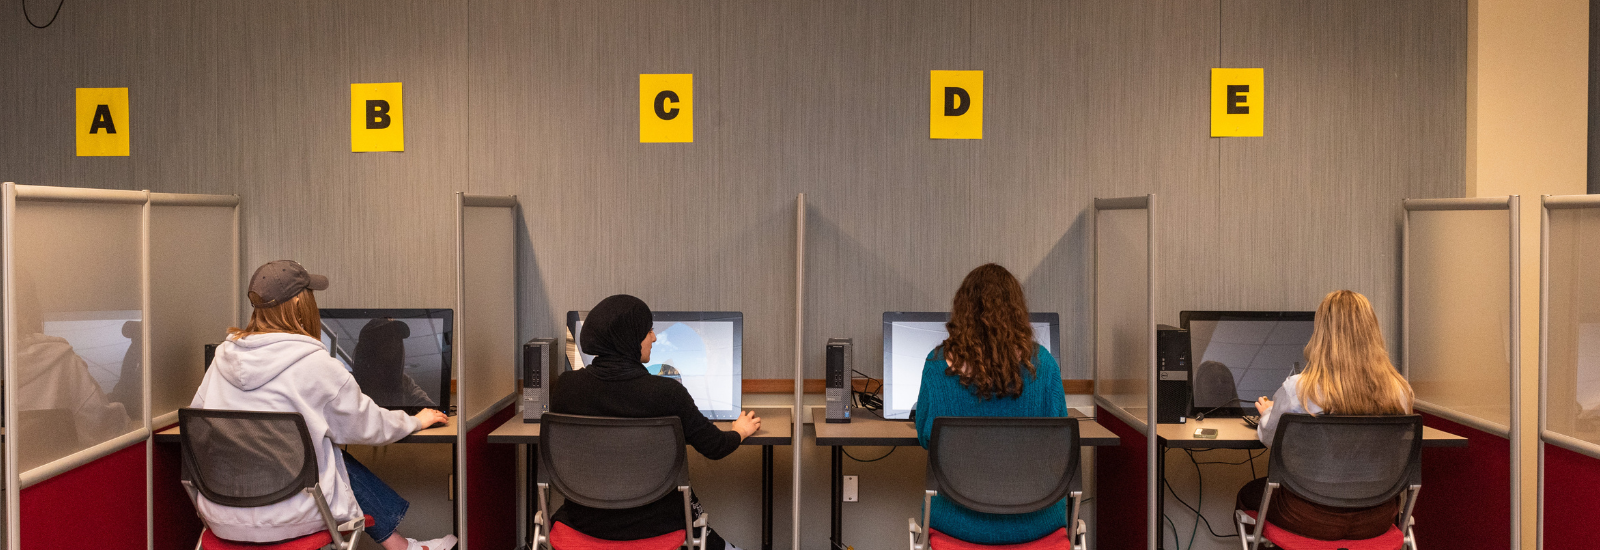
(1461, 233)
(1125, 337)
(194, 273)
(486, 321)
(1585, 204)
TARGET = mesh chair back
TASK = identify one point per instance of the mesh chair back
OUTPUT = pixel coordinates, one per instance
(247, 458)
(1347, 461)
(1003, 465)
(612, 463)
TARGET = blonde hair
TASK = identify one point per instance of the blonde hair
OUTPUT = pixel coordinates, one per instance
(297, 315)
(1347, 366)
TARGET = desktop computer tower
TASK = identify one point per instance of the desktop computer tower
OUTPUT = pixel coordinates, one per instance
(838, 381)
(1172, 374)
(538, 372)
(211, 353)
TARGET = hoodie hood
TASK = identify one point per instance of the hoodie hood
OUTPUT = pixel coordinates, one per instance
(252, 361)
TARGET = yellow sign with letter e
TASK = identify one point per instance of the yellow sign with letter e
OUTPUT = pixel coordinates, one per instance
(102, 122)
(1237, 102)
(377, 119)
(955, 104)
(666, 108)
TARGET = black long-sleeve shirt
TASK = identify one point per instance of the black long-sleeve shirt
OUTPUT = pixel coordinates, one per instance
(580, 392)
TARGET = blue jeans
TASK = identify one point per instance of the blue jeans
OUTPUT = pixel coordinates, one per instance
(376, 499)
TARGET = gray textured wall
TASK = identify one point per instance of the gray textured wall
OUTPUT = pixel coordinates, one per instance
(1365, 106)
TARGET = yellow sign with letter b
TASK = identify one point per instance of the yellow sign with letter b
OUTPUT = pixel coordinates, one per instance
(377, 121)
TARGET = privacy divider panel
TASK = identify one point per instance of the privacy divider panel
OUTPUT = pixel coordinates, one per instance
(74, 269)
(1125, 367)
(486, 368)
(1459, 349)
(1569, 373)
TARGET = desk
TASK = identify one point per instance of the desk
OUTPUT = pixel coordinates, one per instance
(441, 434)
(867, 431)
(777, 428)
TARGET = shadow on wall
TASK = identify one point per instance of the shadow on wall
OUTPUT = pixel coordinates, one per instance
(534, 313)
(1070, 264)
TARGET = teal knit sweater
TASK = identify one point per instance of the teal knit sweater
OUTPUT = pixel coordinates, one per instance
(943, 395)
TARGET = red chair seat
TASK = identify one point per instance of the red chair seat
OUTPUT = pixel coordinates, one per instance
(567, 538)
(319, 539)
(1392, 539)
(1053, 541)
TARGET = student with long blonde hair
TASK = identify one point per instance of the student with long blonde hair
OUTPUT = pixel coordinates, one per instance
(1347, 372)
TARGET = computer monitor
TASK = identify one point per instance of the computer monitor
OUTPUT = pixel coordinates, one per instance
(909, 336)
(399, 357)
(700, 349)
(1240, 356)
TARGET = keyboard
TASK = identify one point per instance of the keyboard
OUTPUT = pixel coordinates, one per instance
(1252, 420)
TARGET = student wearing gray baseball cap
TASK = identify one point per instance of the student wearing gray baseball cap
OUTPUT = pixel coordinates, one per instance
(278, 363)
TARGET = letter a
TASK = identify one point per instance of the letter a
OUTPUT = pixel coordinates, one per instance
(102, 119)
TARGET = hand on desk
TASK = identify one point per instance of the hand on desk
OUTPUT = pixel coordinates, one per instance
(747, 424)
(1263, 405)
(428, 417)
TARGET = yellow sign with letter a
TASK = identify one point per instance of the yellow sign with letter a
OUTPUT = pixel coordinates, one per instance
(377, 120)
(955, 105)
(666, 108)
(102, 122)
(1236, 102)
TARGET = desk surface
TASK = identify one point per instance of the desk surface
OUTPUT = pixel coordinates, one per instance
(441, 434)
(776, 429)
(868, 431)
(1232, 433)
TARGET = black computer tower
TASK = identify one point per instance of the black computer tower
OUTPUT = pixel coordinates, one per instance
(838, 381)
(1172, 374)
(211, 354)
(538, 371)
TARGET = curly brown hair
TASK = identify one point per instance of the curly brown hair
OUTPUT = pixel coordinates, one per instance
(990, 341)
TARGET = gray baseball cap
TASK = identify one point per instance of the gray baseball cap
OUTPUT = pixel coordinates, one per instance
(277, 282)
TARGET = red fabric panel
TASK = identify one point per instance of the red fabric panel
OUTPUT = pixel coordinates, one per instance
(176, 524)
(1571, 499)
(567, 538)
(1120, 500)
(1053, 541)
(1466, 492)
(491, 487)
(1392, 539)
(100, 505)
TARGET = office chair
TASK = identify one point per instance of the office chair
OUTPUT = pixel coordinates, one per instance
(249, 458)
(1342, 461)
(613, 464)
(1003, 466)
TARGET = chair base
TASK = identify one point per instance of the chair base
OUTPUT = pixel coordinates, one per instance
(1059, 540)
(563, 537)
(1392, 539)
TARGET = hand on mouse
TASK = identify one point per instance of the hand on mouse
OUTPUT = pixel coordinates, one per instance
(1263, 405)
(747, 424)
(429, 417)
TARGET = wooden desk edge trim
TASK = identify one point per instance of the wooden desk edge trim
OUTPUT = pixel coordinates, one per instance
(815, 385)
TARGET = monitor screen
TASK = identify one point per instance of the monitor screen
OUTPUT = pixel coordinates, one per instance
(909, 336)
(399, 357)
(1243, 355)
(700, 349)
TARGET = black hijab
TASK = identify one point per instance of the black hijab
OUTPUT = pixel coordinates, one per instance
(612, 332)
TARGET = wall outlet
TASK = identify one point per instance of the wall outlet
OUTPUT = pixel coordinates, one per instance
(849, 488)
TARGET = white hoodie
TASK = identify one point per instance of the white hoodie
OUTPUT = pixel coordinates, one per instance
(294, 373)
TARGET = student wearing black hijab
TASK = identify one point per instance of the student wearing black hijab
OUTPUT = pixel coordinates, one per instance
(618, 333)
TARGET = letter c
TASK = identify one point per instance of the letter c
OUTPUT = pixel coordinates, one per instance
(661, 103)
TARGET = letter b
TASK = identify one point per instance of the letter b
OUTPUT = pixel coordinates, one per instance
(951, 108)
(377, 114)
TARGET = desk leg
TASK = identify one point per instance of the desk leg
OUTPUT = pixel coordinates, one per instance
(766, 497)
(532, 500)
(837, 495)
